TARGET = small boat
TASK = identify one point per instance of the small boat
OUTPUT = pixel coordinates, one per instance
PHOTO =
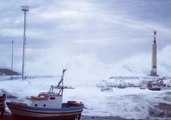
(2, 104)
(47, 105)
(156, 85)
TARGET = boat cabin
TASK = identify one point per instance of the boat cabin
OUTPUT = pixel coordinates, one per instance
(46, 100)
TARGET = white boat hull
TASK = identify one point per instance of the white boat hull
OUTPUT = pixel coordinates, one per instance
(25, 111)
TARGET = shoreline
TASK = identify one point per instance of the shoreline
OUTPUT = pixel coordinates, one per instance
(83, 117)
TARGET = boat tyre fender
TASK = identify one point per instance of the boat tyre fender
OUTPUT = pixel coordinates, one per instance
(73, 103)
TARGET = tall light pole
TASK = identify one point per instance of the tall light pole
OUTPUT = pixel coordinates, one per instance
(12, 59)
(25, 9)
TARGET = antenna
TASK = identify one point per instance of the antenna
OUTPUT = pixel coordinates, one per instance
(25, 9)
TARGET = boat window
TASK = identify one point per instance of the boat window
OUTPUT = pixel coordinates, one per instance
(35, 105)
(44, 105)
(52, 98)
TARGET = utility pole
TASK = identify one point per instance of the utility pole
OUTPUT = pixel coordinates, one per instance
(12, 60)
(25, 9)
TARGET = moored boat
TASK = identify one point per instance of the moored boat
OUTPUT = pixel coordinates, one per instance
(47, 105)
(156, 85)
(2, 104)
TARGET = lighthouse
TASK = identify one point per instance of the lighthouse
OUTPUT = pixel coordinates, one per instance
(154, 56)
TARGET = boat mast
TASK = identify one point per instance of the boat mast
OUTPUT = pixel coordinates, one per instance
(61, 82)
(60, 85)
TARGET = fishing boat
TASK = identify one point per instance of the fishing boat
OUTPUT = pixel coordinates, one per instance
(156, 85)
(2, 104)
(47, 105)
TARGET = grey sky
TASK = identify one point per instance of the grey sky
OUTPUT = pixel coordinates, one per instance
(111, 30)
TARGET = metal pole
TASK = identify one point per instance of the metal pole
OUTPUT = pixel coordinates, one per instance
(24, 39)
(12, 60)
(24, 9)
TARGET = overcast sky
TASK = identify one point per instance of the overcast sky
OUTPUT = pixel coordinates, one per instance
(60, 32)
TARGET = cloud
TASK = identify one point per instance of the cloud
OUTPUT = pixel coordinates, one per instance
(108, 32)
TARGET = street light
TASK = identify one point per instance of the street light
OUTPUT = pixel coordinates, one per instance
(12, 59)
(25, 9)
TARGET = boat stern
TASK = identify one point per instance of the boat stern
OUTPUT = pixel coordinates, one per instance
(2, 104)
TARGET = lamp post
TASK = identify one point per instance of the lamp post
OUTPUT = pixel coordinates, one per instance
(25, 9)
(12, 60)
